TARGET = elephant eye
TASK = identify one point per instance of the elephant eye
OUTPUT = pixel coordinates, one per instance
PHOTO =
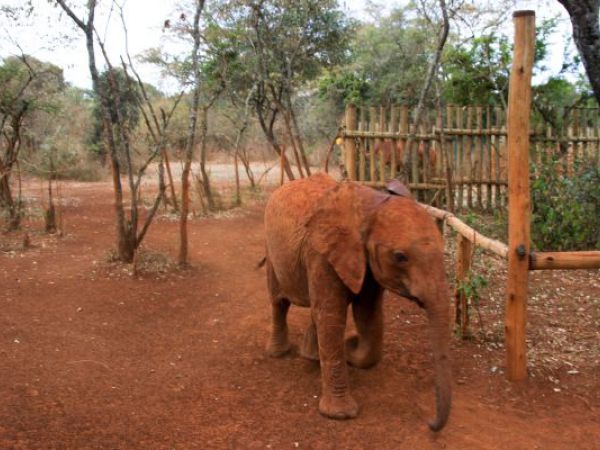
(399, 256)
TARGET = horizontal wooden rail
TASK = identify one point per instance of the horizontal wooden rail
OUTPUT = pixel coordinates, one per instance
(436, 132)
(564, 260)
(412, 186)
(478, 239)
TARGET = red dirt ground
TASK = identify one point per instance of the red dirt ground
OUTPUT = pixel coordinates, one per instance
(92, 357)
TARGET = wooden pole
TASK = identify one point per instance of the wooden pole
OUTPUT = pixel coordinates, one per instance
(564, 260)
(464, 251)
(496, 247)
(479, 159)
(350, 143)
(372, 128)
(403, 131)
(469, 157)
(393, 126)
(460, 159)
(519, 214)
(362, 126)
(382, 176)
(489, 156)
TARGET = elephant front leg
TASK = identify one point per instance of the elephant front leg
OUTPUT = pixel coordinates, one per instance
(365, 349)
(336, 401)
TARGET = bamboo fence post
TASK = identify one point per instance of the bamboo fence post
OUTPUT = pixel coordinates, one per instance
(459, 158)
(469, 157)
(489, 163)
(350, 142)
(438, 151)
(403, 132)
(362, 163)
(437, 144)
(424, 144)
(382, 145)
(372, 128)
(414, 154)
(479, 157)
(393, 127)
(519, 106)
(450, 160)
(497, 156)
(464, 252)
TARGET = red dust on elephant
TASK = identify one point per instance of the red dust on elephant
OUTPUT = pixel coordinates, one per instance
(331, 245)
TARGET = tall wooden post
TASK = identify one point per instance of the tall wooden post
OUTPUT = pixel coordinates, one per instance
(464, 252)
(350, 143)
(519, 215)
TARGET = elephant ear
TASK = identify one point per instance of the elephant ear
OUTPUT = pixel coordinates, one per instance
(335, 232)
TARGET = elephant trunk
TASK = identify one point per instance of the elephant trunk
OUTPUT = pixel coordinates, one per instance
(438, 314)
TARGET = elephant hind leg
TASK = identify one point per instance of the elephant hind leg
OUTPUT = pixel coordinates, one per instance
(310, 345)
(279, 344)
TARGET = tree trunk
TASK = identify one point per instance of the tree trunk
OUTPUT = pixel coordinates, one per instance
(51, 211)
(427, 85)
(586, 33)
(203, 156)
(191, 140)
(7, 202)
(268, 131)
(298, 137)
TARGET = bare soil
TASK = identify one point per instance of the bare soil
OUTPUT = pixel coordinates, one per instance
(94, 356)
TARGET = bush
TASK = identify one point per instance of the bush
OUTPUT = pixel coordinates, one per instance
(566, 210)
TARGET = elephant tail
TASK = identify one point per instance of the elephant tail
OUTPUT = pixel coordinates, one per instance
(261, 263)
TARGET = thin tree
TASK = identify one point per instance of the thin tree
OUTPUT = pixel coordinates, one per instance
(191, 135)
(131, 230)
(431, 73)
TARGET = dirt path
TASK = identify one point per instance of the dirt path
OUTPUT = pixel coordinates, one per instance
(94, 358)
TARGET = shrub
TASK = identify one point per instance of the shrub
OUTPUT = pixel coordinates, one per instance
(566, 210)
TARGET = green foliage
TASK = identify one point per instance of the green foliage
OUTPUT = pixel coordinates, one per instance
(477, 73)
(129, 108)
(472, 286)
(344, 88)
(566, 210)
(386, 63)
(29, 83)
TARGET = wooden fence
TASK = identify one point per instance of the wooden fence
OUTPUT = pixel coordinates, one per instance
(520, 258)
(466, 142)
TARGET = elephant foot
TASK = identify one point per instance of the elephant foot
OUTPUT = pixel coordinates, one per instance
(310, 346)
(276, 349)
(340, 408)
(359, 354)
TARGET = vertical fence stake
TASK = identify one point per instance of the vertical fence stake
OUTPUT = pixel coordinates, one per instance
(519, 104)
(464, 252)
(350, 143)
(373, 124)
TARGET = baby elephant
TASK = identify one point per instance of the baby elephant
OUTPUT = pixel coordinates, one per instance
(333, 244)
